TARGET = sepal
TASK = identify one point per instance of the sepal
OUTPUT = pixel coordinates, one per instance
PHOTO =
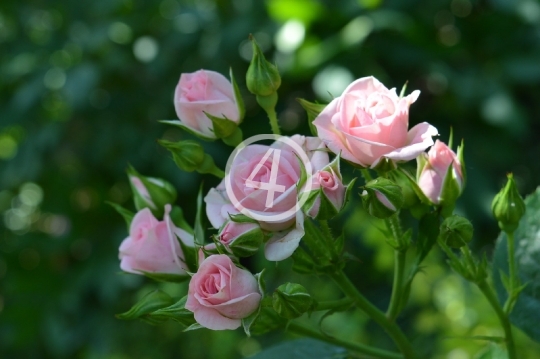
(125, 213)
(238, 97)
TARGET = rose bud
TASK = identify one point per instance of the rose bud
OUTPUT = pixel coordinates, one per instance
(508, 206)
(153, 247)
(441, 175)
(291, 300)
(328, 195)
(189, 156)
(456, 231)
(207, 104)
(148, 192)
(241, 239)
(382, 197)
(262, 77)
(220, 294)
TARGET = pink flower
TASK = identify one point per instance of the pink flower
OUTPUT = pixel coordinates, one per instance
(369, 122)
(433, 175)
(204, 91)
(286, 231)
(220, 294)
(152, 245)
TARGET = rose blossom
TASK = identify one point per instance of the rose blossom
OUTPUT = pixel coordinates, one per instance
(152, 245)
(204, 91)
(220, 294)
(288, 231)
(432, 177)
(369, 122)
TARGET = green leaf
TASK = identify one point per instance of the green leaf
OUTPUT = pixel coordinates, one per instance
(238, 97)
(527, 256)
(302, 262)
(125, 213)
(302, 349)
(312, 110)
(167, 277)
(493, 351)
(223, 127)
(179, 124)
(199, 229)
(149, 303)
(176, 312)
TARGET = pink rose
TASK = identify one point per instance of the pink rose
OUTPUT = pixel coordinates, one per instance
(433, 175)
(287, 231)
(220, 294)
(369, 122)
(152, 245)
(204, 91)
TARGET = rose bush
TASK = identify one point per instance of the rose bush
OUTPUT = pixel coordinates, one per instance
(220, 294)
(152, 245)
(204, 92)
(369, 122)
(287, 231)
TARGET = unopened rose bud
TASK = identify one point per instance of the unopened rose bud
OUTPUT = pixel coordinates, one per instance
(188, 155)
(508, 206)
(456, 231)
(382, 197)
(148, 192)
(262, 78)
(242, 239)
(291, 300)
(441, 175)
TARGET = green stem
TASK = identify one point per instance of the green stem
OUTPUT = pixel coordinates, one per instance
(514, 279)
(217, 172)
(397, 286)
(273, 121)
(400, 252)
(366, 174)
(355, 347)
(333, 304)
(505, 322)
(390, 327)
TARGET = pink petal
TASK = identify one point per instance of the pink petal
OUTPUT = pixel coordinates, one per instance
(283, 244)
(241, 307)
(419, 138)
(212, 319)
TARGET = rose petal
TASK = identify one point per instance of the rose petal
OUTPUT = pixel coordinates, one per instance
(212, 319)
(283, 244)
(143, 219)
(419, 138)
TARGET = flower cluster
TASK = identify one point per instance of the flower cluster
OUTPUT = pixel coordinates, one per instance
(279, 197)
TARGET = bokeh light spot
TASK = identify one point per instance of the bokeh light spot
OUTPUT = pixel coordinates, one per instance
(290, 36)
(186, 23)
(331, 81)
(145, 49)
(120, 33)
(8, 147)
(54, 79)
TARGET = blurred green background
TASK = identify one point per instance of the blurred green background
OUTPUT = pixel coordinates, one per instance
(83, 84)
